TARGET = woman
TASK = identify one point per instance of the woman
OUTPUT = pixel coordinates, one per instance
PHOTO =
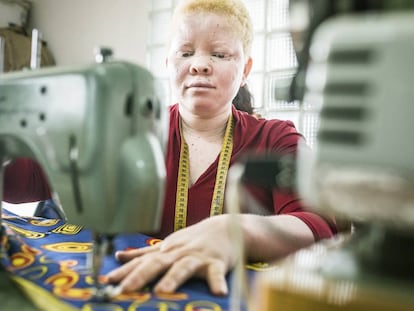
(208, 61)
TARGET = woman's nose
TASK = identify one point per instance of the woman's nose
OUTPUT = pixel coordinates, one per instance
(201, 65)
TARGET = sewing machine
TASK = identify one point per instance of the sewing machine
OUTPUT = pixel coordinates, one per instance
(356, 67)
(99, 133)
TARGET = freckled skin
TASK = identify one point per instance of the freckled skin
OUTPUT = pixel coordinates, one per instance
(199, 54)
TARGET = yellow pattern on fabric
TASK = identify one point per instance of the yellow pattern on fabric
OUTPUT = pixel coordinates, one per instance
(108, 307)
(217, 201)
(66, 279)
(202, 305)
(153, 241)
(69, 247)
(159, 305)
(27, 233)
(40, 297)
(34, 273)
(44, 222)
(68, 229)
(22, 260)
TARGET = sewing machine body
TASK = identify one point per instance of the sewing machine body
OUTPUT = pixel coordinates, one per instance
(99, 133)
(361, 170)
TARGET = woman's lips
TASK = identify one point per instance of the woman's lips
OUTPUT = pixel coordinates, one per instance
(200, 85)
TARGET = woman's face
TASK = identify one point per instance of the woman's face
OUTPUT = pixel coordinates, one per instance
(206, 63)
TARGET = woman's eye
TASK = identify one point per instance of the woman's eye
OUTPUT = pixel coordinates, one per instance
(219, 55)
(186, 54)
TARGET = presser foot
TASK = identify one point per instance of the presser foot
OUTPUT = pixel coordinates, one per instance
(102, 246)
(105, 293)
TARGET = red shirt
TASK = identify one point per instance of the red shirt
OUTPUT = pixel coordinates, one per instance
(24, 180)
(251, 135)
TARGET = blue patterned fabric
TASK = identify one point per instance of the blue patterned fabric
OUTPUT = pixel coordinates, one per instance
(48, 209)
(48, 258)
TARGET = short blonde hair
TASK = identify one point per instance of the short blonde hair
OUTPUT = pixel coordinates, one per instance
(234, 10)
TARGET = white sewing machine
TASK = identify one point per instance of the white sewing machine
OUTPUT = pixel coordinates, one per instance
(99, 133)
(359, 72)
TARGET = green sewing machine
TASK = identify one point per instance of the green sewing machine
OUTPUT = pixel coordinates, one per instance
(99, 133)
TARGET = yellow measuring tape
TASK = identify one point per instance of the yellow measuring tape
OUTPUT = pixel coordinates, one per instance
(217, 202)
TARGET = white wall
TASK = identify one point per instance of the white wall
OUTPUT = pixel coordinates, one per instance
(73, 28)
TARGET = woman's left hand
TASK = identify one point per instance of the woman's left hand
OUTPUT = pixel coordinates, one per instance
(204, 250)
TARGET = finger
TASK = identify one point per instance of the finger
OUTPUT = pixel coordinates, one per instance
(127, 255)
(216, 278)
(132, 275)
(147, 272)
(120, 273)
(179, 272)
